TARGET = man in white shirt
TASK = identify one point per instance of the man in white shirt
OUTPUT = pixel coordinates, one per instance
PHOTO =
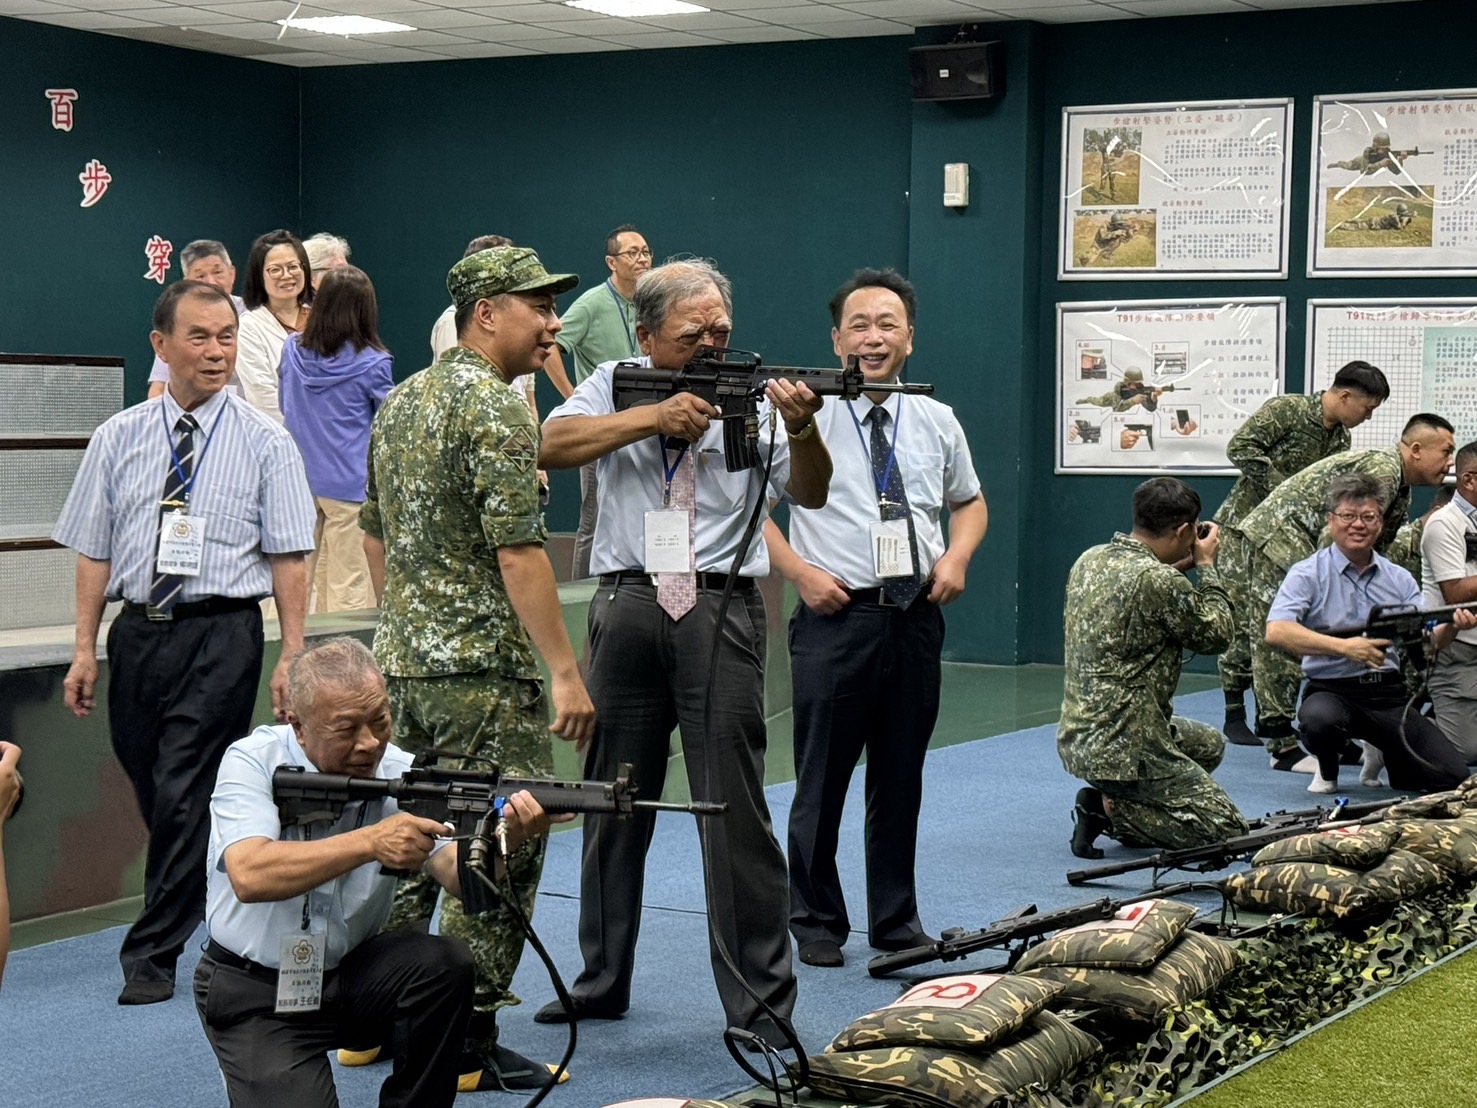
(866, 639)
(1449, 576)
(203, 260)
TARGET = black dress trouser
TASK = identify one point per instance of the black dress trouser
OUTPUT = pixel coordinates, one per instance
(179, 693)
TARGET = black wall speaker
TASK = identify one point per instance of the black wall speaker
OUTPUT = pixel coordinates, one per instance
(958, 71)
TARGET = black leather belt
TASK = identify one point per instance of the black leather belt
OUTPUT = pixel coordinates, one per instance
(710, 582)
(1373, 677)
(219, 954)
(876, 594)
(190, 609)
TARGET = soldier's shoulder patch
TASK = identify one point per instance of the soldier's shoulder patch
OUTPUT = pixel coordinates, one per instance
(521, 447)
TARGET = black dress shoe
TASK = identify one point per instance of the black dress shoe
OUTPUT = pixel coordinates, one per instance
(554, 1012)
(822, 952)
(146, 991)
(918, 938)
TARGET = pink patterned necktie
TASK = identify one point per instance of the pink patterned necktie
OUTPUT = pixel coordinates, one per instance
(677, 592)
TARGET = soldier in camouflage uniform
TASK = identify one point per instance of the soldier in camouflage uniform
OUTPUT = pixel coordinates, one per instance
(1130, 612)
(1288, 526)
(455, 540)
(1377, 155)
(1390, 221)
(1282, 437)
(1134, 379)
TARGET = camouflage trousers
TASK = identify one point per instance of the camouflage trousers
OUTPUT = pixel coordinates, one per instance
(1276, 675)
(1175, 803)
(1234, 662)
(504, 719)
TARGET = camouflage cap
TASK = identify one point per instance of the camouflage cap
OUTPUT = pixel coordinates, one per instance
(1133, 375)
(503, 269)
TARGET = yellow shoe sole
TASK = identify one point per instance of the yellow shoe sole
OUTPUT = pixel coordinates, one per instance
(469, 1082)
(358, 1057)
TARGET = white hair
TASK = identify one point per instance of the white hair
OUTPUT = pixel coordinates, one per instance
(323, 247)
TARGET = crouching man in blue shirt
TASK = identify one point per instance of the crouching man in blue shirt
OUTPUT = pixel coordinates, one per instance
(1354, 689)
(297, 963)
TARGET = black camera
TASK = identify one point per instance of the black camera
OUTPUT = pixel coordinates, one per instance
(1471, 537)
(1202, 529)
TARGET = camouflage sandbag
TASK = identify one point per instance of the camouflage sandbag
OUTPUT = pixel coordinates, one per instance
(1045, 1052)
(1450, 843)
(967, 1012)
(1315, 889)
(1135, 938)
(1346, 847)
(1447, 805)
(1194, 966)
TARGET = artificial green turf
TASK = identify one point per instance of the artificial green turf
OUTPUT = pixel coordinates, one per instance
(1409, 1049)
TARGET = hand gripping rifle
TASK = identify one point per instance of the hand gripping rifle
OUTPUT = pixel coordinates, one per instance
(1264, 832)
(468, 800)
(733, 381)
(1018, 928)
(1404, 625)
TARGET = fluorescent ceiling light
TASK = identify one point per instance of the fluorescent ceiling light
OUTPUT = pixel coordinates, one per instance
(344, 25)
(635, 9)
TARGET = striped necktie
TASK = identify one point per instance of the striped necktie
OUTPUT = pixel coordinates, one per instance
(892, 502)
(164, 590)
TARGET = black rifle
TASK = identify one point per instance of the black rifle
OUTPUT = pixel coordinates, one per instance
(1264, 832)
(1416, 153)
(1402, 624)
(461, 798)
(1145, 429)
(733, 381)
(1020, 926)
(1149, 393)
(1089, 432)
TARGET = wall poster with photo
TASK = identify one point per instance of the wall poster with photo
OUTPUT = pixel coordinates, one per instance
(1394, 185)
(1427, 349)
(1161, 386)
(1189, 190)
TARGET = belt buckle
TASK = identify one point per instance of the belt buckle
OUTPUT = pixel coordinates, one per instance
(158, 615)
(1373, 678)
(883, 600)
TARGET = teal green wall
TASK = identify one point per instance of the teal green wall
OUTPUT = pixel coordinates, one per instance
(786, 163)
(199, 146)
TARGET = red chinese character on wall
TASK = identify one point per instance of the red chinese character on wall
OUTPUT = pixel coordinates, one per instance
(62, 100)
(95, 180)
(158, 251)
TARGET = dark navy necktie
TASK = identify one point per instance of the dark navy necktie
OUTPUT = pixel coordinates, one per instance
(164, 590)
(893, 504)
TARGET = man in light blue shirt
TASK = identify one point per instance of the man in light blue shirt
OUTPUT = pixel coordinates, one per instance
(1353, 688)
(226, 488)
(285, 892)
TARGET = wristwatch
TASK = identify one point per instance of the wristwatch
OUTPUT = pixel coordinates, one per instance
(804, 432)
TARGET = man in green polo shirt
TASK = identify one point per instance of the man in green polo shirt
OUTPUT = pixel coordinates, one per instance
(599, 327)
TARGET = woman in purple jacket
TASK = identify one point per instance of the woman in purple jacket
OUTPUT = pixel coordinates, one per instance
(335, 375)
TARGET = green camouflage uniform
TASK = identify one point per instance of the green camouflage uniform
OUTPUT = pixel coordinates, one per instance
(1389, 222)
(1373, 157)
(1282, 437)
(1115, 398)
(452, 477)
(1128, 617)
(1284, 529)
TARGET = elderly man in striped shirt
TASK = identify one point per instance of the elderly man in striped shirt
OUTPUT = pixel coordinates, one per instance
(190, 508)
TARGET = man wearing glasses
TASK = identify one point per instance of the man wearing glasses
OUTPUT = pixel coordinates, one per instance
(600, 326)
(1354, 685)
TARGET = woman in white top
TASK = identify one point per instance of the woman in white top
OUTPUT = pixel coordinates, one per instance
(277, 296)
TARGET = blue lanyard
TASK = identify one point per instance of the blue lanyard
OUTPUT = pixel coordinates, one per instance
(670, 471)
(626, 323)
(897, 421)
(187, 485)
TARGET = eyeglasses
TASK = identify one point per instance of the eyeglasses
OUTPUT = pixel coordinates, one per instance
(291, 269)
(634, 253)
(1357, 517)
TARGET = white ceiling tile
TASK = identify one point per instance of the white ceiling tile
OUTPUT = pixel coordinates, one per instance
(573, 44)
(744, 6)
(702, 22)
(304, 59)
(376, 8)
(93, 21)
(34, 7)
(1022, 9)
(764, 34)
(483, 50)
(1079, 13)
(511, 32)
(908, 9)
(444, 19)
(1180, 7)
(803, 17)
(861, 28)
(181, 16)
(544, 13)
(112, 5)
(429, 39)
(658, 40)
(264, 10)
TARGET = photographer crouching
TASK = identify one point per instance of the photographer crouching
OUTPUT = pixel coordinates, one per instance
(297, 964)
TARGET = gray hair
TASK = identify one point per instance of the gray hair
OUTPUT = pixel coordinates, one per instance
(1356, 487)
(202, 248)
(338, 661)
(661, 288)
(323, 246)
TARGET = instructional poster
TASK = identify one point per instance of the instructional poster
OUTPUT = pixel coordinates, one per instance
(1161, 386)
(1196, 190)
(1426, 348)
(1395, 184)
